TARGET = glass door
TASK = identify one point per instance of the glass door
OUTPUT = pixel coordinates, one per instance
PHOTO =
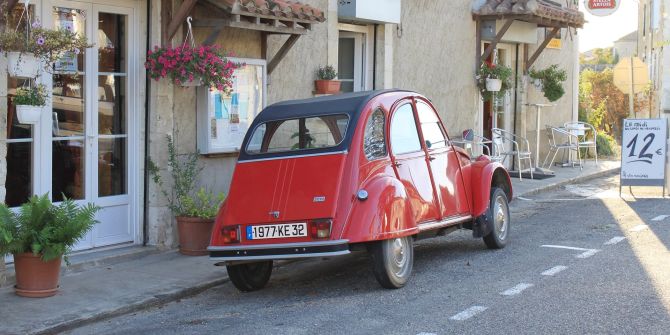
(350, 61)
(89, 118)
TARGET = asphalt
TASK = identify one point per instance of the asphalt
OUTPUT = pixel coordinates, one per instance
(98, 289)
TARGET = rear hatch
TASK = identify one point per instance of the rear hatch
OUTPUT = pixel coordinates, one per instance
(285, 190)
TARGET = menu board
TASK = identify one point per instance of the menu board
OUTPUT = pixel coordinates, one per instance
(225, 117)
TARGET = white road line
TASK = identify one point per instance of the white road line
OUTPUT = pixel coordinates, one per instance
(658, 218)
(423, 333)
(615, 240)
(525, 199)
(554, 270)
(516, 289)
(468, 313)
(638, 228)
(588, 253)
(563, 247)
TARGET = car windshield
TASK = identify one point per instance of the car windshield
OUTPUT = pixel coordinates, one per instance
(298, 134)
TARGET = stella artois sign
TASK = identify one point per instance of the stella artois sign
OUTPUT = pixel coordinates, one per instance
(601, 7)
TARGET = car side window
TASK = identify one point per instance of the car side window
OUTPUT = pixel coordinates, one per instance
(374, 140)
(430, 126)
(404, 136)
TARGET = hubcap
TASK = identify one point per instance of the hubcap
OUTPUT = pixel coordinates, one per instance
(398, 253)
(500, 218)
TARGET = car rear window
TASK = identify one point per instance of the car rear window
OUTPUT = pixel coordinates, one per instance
(298, 134)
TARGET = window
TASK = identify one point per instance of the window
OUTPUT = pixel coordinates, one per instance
(298, 134)
(404, 137)
(374, 141)
(430, 127)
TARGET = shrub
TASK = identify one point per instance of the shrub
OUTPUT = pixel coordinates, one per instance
(326, 73)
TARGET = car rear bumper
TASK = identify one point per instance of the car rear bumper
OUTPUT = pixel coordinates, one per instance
(260, 252)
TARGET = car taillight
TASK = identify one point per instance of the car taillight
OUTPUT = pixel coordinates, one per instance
(231, 234)
(320, 229)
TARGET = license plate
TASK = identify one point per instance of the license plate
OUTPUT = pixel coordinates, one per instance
(282, 230)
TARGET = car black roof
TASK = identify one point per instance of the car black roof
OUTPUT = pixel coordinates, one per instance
(350, 104)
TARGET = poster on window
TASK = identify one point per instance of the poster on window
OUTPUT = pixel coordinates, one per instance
(643, 151)
(67, 63)
(225, 117)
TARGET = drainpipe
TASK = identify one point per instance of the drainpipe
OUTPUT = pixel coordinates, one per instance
(374, 57)
(516, 92)
(147, 88)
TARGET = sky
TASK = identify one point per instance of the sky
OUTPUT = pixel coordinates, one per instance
(600, 32)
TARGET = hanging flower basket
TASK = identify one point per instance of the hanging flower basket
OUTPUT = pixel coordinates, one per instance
(493, 85)
(28, 114)
(22, 65)
(193, 83)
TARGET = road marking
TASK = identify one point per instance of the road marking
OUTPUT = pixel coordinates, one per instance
(554, 270)
(588, 254)
(525, 199)
(615, 240)
(516, 289)
(468, 313)
(563, 247)
(426, 334)
(658, 218)
(638, 228)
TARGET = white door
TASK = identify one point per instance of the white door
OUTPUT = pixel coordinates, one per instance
(87, 145)
(350, 61)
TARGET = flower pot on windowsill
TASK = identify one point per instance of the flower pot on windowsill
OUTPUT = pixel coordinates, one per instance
(194, 235)
(36, 278)
(22, 64)
(327, 86)
(28, 114)
(493, 85)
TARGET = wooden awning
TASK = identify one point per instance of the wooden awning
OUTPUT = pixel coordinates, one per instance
(267, 16)
(542, 12)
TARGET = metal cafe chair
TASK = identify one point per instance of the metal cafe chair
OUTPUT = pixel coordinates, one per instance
(470, 140)
(586, 136)
(519, 148)
(559, 139)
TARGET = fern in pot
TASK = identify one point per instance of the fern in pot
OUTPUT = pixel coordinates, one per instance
(29, 102)
(194, 208)
(39, 235)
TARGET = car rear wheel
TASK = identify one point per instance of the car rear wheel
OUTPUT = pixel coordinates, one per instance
(499, 214)
(251, 276)
(392, 261)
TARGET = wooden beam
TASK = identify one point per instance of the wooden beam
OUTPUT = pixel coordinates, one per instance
(290, 42)
(212, 23)
(216, 31)
(525, 57)
(540, 48)
(166, 14)
(264, 45)
(495, 41)
(179, 17)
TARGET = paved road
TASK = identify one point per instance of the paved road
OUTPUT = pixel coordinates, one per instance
(580, 260)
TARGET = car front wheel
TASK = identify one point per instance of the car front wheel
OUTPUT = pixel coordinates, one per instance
(250, 276)
(499, 214)
(392, 261)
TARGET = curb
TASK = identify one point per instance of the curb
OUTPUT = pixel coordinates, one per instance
(155, 301)
(561, 183)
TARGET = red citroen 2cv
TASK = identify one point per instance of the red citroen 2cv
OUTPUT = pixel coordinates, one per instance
(368, 171)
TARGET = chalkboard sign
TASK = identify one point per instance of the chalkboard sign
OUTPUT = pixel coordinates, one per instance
(643, 151)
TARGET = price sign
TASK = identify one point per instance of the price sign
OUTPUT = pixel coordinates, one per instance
(643, 152)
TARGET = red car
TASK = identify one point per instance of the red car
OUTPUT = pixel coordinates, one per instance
(368, 171)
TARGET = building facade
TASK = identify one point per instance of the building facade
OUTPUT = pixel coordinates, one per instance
(106, 119)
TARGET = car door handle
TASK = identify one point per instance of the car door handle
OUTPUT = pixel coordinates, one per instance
(431, 158)
(397, 164)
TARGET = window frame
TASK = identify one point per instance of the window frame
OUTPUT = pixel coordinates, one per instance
(386, 138)
(419, 134)
(447, 141)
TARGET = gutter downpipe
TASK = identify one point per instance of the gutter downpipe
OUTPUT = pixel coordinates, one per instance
(147, 88)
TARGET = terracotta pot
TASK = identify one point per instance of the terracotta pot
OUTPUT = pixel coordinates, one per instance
(194, 235)
(327, 86)
(34, 277)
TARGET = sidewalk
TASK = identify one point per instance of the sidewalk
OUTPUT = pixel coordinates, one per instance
(98, 290)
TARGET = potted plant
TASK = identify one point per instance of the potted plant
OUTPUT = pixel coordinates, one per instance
(39, 235)
(551, 81)
(194, 210)
(25, 50)
(493, 78)
(29, 102)
(326, 83)
(192, 66)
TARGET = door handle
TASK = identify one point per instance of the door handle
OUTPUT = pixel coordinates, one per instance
(397, 164)
(431, 158)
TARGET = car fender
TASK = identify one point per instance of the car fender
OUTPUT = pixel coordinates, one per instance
(386, 213)
(488, 174)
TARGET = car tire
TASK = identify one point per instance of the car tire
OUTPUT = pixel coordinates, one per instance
(392, 261)
(498, 211)
(250, 276)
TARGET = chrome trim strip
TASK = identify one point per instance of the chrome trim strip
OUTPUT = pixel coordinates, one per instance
(278, 245)
(275, 257)
(445, 222)
(296, 156)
